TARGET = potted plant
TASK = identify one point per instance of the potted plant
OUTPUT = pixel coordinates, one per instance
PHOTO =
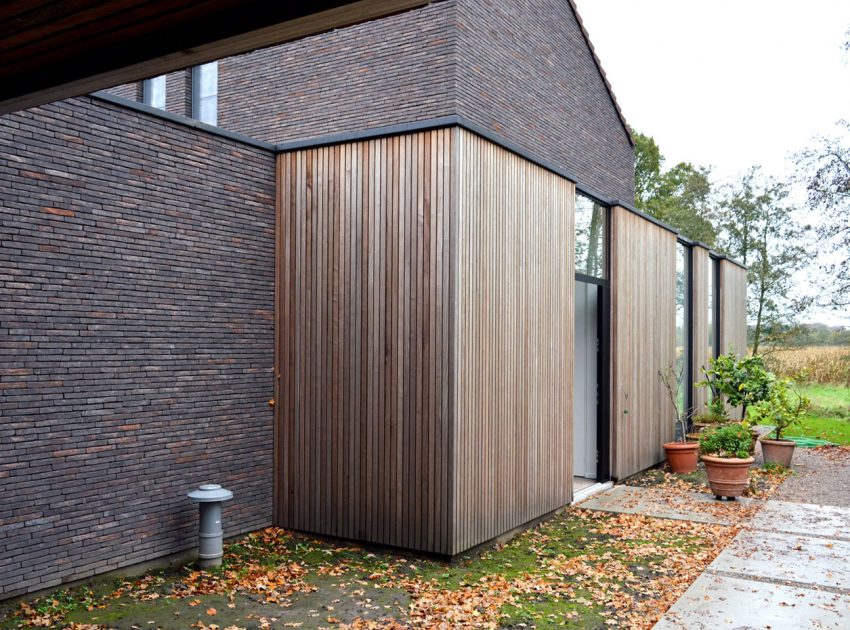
(726, 455)
(739, 382)
(681, 454)
(782, 409)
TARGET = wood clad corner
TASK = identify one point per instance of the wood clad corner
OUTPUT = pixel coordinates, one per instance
(363, 409)
(733, 308)
(514, 348)
(643, 334)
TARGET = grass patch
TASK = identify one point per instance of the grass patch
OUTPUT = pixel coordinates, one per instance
(829, 416)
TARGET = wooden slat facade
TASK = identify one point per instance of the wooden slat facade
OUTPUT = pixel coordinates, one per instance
(425, 339)
(364, 340)
(643, 340)
(701, 352)
(733, 308)
(514, 361)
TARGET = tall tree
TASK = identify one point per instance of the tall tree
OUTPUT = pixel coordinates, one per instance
(679, 196)
(759, 227)
(825, 170)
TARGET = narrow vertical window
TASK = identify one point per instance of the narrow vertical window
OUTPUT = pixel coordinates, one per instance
(153, 92)
(683, 326)
(710, 314)
(590, 254)
(205, 93)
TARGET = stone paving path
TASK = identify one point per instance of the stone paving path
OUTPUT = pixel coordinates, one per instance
(789, 567)
(693, 506)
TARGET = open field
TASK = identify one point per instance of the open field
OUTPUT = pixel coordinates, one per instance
(811, 364)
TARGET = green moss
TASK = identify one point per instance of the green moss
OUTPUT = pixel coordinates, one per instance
(544, 611)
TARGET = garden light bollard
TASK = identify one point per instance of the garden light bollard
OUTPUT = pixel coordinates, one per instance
(209, 498)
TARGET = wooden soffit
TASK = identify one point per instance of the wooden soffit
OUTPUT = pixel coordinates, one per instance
(55, 49)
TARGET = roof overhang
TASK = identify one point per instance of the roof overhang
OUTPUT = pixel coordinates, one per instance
(55, 49)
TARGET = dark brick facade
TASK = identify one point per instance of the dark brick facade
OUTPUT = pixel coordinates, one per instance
(522, 70)
(526, 72)
(136, 337)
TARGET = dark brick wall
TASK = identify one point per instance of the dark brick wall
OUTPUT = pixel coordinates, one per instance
(398, 69)
(526, 72)
(521, 69)
(136, 337)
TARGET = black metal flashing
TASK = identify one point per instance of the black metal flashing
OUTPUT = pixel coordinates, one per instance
(644, 215)
(368, 134)
(181, 120)
(392, 130)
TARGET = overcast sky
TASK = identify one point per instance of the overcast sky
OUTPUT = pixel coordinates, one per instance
(725, 83)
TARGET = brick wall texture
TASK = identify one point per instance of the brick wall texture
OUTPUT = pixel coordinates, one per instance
(521, 69)
(136, 342)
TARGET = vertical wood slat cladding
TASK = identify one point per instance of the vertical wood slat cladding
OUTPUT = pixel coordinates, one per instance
(643, 280)
(733, 308)
(364, 411)
(514, 348)
(701, 351)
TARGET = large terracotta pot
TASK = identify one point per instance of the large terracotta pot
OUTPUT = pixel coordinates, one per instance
(727, 476)
(681, 457)
(777, 451)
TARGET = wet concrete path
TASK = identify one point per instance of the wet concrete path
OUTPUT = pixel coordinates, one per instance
(788, 569)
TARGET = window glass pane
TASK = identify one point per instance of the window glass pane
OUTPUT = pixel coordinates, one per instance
(590, 237)
(205, 93)
(710, 339)
(153, 92)
(682, 324)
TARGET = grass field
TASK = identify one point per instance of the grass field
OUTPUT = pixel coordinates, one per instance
(829, 416)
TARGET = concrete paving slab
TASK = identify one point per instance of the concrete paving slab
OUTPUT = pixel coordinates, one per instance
(625, 499)
(715, 601)
(804, 560)
(800, 518)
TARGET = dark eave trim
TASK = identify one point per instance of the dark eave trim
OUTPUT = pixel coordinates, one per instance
(644, 215)
(182, 120)
(382, 132)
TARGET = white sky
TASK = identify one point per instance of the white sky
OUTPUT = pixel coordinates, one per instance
(727, 83)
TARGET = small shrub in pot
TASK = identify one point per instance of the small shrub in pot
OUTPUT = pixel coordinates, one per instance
(726, 455)
(783, 408)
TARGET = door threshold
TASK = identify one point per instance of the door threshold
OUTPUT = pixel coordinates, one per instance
(584, 493)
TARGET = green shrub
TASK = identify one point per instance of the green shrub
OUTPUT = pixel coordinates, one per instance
(742, 382)
(783, 408)
(732, 440)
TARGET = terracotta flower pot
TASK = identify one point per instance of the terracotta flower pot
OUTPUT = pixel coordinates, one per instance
(727, 476)
(681, 457)
(777, 451)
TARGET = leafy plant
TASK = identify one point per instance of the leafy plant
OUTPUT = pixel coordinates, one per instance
(783, 408)
(741, 382)
(731, 440)
(672, 379)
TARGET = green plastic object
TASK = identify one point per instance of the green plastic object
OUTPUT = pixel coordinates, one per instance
(807, 442)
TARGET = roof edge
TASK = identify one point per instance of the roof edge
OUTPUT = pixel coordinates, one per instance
(602, 74)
